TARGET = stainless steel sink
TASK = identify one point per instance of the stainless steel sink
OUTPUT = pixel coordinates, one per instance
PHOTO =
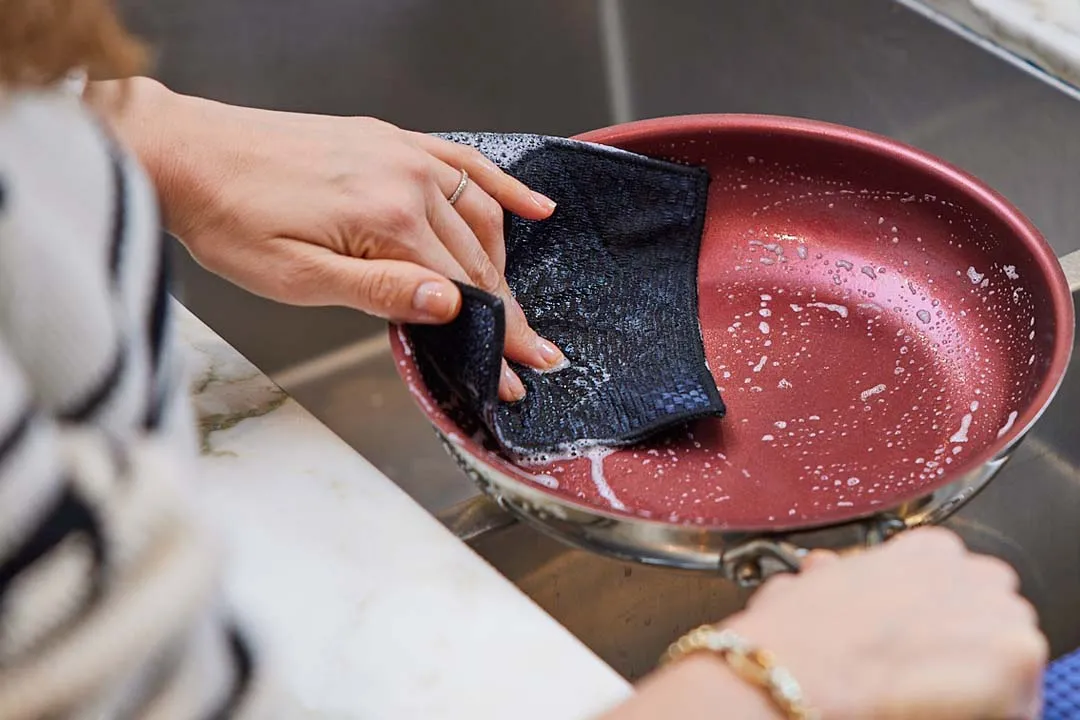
(626, 613)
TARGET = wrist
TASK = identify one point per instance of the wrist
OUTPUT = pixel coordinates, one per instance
(824, 686)
(721, 689)
(137, 110)
(151, 121)
(700, 687)
(133, 109)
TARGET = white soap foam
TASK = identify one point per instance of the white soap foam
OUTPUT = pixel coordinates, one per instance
(596, 456)
(1008, 423)
(961, 435)
(546, 480)
(876, 390)
(840, 310)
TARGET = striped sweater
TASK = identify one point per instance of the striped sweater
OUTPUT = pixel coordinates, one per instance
(108, 598)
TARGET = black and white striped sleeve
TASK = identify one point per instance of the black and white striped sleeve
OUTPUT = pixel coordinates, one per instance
(106, 585)
(109, 604)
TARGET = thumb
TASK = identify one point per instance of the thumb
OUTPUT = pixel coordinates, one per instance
(392, 289)
(818, 559)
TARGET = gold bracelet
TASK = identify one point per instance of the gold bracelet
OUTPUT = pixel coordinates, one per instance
(752, 664)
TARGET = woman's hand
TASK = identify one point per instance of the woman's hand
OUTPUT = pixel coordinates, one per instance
(319, 210)
(917, 629)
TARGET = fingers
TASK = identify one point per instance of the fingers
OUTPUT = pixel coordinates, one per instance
(928, 540)
(396, 290)
(506, 190)
(818, 559)
(1033, 653)
(523, 345)
(462, 243)
(477, 218)
(994, 572)
(1018, 655)
(943, 552)
(479, 210)
(511, 389)
(997, 579)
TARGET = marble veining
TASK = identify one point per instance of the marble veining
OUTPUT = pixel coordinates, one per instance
(365, 604)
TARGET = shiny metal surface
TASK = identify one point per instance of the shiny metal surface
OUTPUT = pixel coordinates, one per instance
(875, 65)
(867, 63)
(745, 557)
(624, 612)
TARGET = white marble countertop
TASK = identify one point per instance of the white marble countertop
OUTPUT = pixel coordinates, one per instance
(368, 606)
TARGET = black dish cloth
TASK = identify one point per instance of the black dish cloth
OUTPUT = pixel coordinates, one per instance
(611, 278)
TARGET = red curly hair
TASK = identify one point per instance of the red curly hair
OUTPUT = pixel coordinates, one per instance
(42, 41)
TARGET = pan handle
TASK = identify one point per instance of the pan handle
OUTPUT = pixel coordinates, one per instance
(753, 560)
(751, 563)
(1070, 264)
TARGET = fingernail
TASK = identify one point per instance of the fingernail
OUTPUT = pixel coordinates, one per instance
(543, 201)
(435, 300)
(553, 356)
(513, 383)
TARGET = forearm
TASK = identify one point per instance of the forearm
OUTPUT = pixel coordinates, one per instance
(137, 110)
(172, 136)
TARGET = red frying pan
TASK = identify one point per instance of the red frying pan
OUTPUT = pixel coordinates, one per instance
(883, 327)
